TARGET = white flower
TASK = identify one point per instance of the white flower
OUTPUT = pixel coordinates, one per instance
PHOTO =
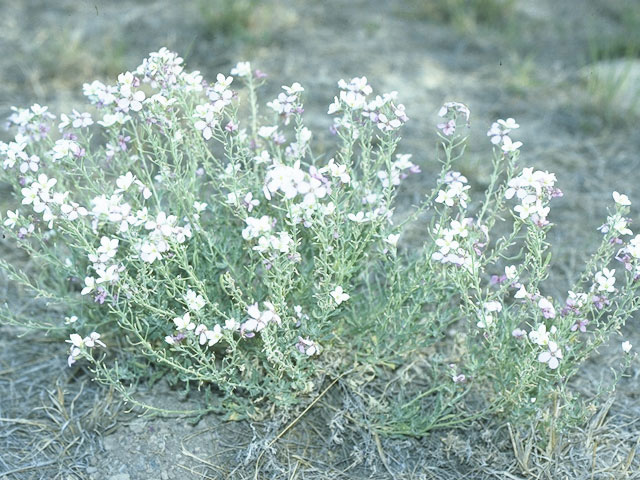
(110, 119)
(620, 226)
(89, 285)
(447, 244)
(267, 132)
(337, 171)
(201, 331)
(231, 324)
(526, 210)
(81, 120)
(108, 247)
(293, 89)
(107, 275)
(606, 280)
(486, 321)
(248, 201)
(552, 356)
(392, 239)
(12, 218)
(626, 346)
(73, 210)
(521, 293)
(199, 207)
(242, 69)
(124, 182)
(222, 82)
(31, 163)
(509, 124)
(282, 242)
(30, 196)
(540, 336)
(44, 184)
(64, 148)
(358, 217)
(255, 322)
(508, 146)
(459, 228)
(510, 272)
(633, 248)
(194, 301)
(207, 122)
(75, 340)
(259, 319)
(214, 336)
(257, 227)
(339, 296)
(493, 306)
(621, 199)
(456, 190)
(93, 339)
(149, 252)
(184, 322)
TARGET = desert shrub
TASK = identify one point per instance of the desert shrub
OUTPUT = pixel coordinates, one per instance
(191, 233)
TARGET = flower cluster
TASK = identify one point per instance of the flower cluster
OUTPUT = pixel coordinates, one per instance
(499, 135)
(451, 111)
(455, 191)
(258, 319)
(80, 345)
(356, 106)
(534, 189)
(288, 102)
(32, 124)
(448, 241)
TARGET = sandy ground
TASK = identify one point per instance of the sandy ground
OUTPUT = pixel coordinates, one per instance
(539, 66)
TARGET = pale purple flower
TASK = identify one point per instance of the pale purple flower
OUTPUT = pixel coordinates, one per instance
(581, 324)
(448, 128)
(599, 301)
(101, 295)
(546, 307)
(519, 334)
(452, 176)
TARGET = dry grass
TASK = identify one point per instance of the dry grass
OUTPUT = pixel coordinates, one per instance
(49, 424)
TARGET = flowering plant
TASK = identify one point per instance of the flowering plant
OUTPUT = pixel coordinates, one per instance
(175, 226)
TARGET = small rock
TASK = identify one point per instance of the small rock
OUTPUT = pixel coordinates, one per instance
(164, 475)
(91, 470)
(111, 443)
(138, 426)
(120, 476)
